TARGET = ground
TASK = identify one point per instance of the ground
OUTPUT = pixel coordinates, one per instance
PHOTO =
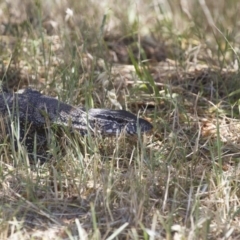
(176, 64)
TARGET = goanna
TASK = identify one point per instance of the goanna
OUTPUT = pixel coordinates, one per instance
(36, 111)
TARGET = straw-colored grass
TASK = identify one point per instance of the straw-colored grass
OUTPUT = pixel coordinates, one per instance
(173, 62)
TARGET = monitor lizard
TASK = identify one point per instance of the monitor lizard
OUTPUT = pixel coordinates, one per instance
(35, 111)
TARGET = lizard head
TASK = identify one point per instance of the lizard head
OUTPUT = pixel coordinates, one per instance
(112, 122)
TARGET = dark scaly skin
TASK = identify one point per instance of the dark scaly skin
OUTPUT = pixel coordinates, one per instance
(36, 111)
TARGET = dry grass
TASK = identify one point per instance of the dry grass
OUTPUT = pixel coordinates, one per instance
(176, 62)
